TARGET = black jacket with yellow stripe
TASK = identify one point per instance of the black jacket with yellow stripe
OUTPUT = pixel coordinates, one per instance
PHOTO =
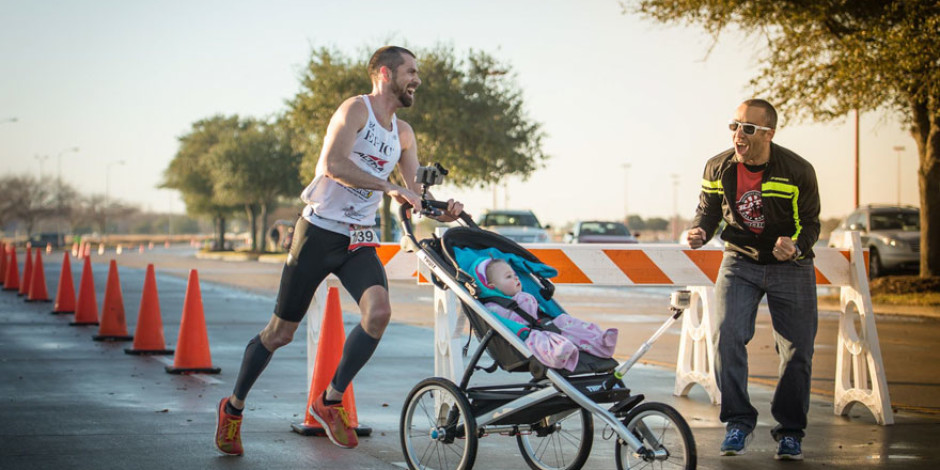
(790, 198)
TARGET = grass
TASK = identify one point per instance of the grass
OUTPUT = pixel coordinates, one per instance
(906, 290)
(931, 299)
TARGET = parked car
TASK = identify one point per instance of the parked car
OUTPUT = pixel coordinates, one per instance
(396, 227)
(280, 235)
(593, 231)
(891, 233)
(40, 240)
(520, 226)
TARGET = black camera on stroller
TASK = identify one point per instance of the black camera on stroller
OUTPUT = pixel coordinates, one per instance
(430, 175)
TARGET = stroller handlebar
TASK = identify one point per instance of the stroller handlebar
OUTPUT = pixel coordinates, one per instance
(430, 208)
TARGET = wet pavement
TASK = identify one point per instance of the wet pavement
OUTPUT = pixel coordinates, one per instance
(69, 402)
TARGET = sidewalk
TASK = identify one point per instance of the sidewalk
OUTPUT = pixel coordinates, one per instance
(69, 402)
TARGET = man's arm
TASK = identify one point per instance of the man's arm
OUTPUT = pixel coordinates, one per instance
(408, 164)
(345, 124)
(408, 168)
(808, 203)
(708, 212)
(787, 248)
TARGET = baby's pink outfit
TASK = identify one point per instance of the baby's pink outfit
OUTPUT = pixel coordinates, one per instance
(552, 349)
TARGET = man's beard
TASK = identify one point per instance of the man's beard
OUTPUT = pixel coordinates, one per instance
(403, 97)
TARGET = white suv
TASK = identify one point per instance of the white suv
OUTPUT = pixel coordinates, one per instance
(891, 233)
(519, 226)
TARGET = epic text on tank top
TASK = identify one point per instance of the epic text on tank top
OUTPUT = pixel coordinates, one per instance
(376, 151)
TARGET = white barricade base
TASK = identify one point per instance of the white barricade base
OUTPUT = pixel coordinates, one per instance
(695, 364)
(448, 330)
(860, 374)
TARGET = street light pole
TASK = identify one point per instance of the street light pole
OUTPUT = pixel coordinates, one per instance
(169, 212)
(59, 164)
(58, 187)
(41, 158)
(107, 193)
(899, 149)
(626, 189)
(857, 165)
(675, 207)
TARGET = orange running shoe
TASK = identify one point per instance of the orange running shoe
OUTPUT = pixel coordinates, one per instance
(228, 435)
(335, 422)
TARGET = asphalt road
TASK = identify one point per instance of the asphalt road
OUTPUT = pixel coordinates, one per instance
(69, 402)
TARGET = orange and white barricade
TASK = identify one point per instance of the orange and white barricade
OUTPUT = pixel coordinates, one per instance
(859, 377)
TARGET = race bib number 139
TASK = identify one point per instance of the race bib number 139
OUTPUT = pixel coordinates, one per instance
(360, 236)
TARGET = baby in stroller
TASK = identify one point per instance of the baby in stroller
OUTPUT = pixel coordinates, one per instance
(555, 340)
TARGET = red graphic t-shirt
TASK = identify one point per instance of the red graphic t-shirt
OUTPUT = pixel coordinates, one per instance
(749, 202)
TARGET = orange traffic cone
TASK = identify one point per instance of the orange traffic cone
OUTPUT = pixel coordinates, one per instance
(113, 322)
(329, 352)
(48, 248)
(192, 345)
(148, 339)
(86, 312)
(37, 286)
(27, 272)
(12, 280)
(65, 293)
(3, 263)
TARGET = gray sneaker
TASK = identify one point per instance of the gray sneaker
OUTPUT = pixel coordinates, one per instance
(789, 449)
(735, 442)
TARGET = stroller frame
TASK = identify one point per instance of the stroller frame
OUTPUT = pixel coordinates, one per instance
(511, 406)
(564, 387)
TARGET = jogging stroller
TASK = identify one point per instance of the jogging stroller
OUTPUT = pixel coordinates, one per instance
(551, 415)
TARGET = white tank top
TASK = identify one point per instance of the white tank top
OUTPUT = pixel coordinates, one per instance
(376, 151)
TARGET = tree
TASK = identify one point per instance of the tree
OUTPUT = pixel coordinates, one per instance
(657, 224)
(825, 58)
(100, 213)
(254, 167)
(190, 171)
(468, 114)
(635, 222)
(25, 199)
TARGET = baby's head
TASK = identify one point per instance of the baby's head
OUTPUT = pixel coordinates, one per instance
(499, 275)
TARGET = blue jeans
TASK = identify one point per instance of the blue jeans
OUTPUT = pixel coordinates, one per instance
(791, 296)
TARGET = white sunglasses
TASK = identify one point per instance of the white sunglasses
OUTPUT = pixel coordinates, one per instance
(748, 129)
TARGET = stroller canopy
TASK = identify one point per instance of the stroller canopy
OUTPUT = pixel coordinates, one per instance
(466, 247)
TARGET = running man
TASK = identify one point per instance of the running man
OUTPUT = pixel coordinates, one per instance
(363, 144)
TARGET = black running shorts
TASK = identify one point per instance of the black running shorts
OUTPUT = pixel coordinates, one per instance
(314, 254)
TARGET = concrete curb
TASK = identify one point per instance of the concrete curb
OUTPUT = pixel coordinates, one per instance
(832, 304)
(227, 255)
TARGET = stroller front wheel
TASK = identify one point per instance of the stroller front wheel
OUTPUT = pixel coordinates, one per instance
(665, 435)
(559, 442)
(437, 428)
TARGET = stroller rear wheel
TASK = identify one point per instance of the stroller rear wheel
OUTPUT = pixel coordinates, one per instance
(437, 428)
(559, 442)
(666, 437)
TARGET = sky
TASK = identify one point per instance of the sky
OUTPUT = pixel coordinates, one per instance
(632, 109)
